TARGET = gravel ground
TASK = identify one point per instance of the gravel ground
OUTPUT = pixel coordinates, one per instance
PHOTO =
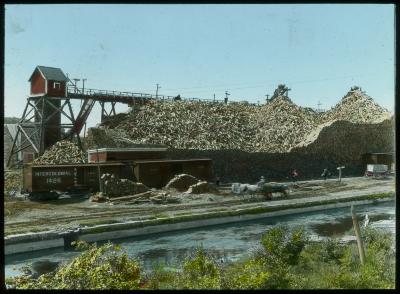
(27, 216)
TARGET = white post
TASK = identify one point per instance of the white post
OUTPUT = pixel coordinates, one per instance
(340, 172)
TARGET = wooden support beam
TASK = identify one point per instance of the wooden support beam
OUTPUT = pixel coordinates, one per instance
(30, 141)
(113, 108)
(12, 148)
(60, 110)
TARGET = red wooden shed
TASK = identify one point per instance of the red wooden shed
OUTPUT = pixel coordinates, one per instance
(50, 81)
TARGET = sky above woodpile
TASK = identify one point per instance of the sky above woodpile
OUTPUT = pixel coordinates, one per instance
(319, 51)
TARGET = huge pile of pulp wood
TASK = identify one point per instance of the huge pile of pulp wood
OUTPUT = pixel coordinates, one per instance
(274, 127)
(63, 152)
(282, 124)
(190, 125)
(357, 107)
(347, 142)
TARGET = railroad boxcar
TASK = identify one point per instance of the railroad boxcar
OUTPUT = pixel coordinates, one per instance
(157, 173)
(50, 179)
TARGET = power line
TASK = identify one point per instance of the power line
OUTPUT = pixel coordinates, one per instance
(255, 85)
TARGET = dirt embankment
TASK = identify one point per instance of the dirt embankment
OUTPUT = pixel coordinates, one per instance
(66, 213)
(346, 142)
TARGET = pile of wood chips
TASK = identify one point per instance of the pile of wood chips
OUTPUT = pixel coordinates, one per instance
(275, 127)
(62, 152)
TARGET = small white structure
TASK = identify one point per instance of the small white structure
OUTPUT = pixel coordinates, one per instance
(377, 170)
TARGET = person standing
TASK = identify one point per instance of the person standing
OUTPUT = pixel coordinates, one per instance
(217, 180)
(295, 175)
(325, 173)
(261, 181)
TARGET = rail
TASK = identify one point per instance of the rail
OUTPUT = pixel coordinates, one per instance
(107, 94)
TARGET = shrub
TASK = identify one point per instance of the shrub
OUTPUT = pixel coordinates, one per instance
(103, 267)
(283, 246)
(200, 272)
(250, 274)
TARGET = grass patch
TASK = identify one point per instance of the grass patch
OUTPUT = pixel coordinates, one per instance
(161, 218)
(255, 210)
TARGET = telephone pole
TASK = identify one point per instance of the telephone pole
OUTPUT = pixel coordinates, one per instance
(76, 80)
(158, 87)
(83, 86)
(83, 93)
(226, 97)
(267, 98)
(319, 108)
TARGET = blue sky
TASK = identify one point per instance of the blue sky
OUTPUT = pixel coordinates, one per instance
(319, 51)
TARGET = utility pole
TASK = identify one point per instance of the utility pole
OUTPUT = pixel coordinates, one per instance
(98, 170)
(83, 87)
(319, 104)
(287, 92)
(267, 98)
(83, 92)
(158, 87)
(76, 80)
(226, 97)
(214, 97)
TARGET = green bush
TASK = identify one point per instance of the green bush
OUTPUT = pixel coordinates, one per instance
(250, 274)
(286, 260)
(103, 267)
(200, 272)
(283, 246)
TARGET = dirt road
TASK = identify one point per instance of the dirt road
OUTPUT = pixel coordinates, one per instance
(23, 216)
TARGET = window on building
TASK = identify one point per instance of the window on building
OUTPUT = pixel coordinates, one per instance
(56, 85)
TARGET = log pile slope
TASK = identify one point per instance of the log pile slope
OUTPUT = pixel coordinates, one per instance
(280, 126)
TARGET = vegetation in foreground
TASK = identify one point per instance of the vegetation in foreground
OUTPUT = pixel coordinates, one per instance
(287, 259)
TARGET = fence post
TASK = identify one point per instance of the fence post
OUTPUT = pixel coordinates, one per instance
(358, 236)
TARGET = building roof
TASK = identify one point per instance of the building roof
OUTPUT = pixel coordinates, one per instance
(131, 149)
(51, 73)
(170, 160)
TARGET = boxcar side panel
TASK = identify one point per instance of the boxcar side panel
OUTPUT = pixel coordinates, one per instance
(199, 169)
(150, 174)
(91, 178)
(52, 178)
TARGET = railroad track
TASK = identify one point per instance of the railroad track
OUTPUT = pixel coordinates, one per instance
(112, 212)
(134, 213)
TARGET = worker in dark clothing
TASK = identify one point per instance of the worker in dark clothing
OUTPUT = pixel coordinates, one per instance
(294, 175)
(217, 180)
(325, 174)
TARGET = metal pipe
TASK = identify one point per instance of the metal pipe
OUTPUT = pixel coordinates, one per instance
(98, 170)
